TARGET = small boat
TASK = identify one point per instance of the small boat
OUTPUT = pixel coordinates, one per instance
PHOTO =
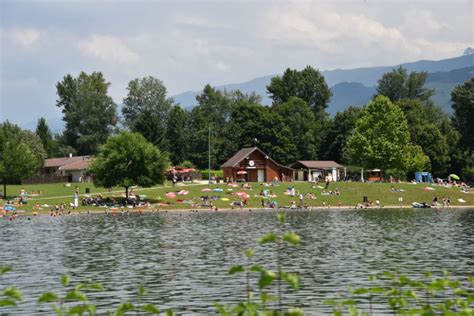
(420, 205)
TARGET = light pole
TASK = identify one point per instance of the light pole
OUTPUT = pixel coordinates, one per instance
(209, 156)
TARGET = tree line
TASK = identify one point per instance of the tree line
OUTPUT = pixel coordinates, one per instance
(400, 130)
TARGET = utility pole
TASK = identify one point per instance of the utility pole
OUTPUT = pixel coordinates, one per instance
(209, 156)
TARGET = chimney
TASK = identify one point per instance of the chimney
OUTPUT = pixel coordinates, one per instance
(70, 155)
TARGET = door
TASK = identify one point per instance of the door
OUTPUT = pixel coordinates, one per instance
(261, 175)
(300, 176)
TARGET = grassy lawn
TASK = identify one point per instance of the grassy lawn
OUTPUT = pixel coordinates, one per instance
(351, 193)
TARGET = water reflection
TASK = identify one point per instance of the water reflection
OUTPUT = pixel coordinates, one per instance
(183, 258)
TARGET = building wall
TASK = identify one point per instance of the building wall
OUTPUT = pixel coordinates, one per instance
(272, 170)
(76, 174)
(228, 173)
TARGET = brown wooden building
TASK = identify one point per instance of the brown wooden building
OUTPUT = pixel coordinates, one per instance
(253, 165)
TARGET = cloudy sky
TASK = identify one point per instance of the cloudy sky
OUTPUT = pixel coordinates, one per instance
(187, 44)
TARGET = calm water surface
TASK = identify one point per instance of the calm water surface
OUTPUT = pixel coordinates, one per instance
(183, 258)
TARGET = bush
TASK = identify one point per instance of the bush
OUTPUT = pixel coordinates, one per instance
(397, 174)
(214, 173)
(187, 164)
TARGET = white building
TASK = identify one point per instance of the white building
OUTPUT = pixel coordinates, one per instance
(318, 170)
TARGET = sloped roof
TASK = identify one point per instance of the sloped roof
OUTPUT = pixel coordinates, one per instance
(58, 162)
(243, 153)
(238, 157)
(77, 165)
(320, 164)
(68, 163)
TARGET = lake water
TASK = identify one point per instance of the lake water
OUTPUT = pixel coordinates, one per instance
(183, 258)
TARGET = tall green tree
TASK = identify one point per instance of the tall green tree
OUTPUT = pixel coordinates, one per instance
(128, 159)
(416, 160)
(307, 84)
(381, 138)
(178, 134)
(146, 109)
(398, 85)
(463, 106)
(424, 123)
(44, 133)
(252, 124)
(88, 111)
(212, 112)
(21, 154)
(337, 133)
(298, 117)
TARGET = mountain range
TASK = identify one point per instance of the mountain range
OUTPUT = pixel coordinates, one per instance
(357, 86)
(348, 86)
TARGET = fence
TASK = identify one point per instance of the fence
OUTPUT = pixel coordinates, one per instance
(45, 179)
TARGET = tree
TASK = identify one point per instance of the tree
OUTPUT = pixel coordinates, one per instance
(146, 109)
(178, 134)
(128, 159)
(90, 114)
(44, 133)
(424, 123)
(398, 85)
(212, 112)
(21, 154)
(339, 130)
(308, 85)
(463, 106)
(256, 125)
(416, 160)
(298, 117)
(381, 138)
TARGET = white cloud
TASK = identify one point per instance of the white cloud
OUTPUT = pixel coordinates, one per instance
(340, 37)
(22, 37)
(188, 44)
(108, 48)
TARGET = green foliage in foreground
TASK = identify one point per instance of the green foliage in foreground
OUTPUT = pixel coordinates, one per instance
(396, 292)
(267, 278)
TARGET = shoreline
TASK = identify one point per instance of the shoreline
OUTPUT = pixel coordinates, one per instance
(211, 210)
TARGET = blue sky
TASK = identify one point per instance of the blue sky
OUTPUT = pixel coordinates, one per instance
(187, 44)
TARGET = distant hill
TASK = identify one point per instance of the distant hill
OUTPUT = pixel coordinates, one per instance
(359, 83)
(349, 86)
(345, 94)
(444, 82)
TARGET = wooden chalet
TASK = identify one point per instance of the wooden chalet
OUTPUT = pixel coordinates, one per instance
(253, 165)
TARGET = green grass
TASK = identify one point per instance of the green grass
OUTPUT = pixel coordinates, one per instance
(351, 194)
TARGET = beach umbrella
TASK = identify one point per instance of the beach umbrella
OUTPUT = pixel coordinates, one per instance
(454, 176)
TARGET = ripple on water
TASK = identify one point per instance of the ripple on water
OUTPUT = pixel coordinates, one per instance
(183, 258)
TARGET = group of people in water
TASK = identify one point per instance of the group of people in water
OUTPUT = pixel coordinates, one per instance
(446, 201)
